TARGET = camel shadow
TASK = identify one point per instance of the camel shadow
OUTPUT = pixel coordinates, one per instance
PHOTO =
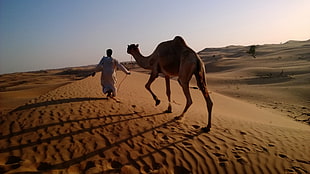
(66, 164)
(61, 136)
(44, 126)
(44, 167)
(55, 102)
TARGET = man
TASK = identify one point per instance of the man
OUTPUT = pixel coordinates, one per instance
(107, 66)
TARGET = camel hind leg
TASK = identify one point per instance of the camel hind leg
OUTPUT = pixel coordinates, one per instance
(201, 82)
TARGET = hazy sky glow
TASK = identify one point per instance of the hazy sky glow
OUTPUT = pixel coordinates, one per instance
(36, 34)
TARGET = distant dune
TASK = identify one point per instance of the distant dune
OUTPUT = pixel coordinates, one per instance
(278, 78)
(58, 121)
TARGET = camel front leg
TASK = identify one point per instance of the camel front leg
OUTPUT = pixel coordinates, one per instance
(185, 87)
(168, 93)
(148, 87)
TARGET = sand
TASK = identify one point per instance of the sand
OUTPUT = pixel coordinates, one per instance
(74, 128)
(18, 88)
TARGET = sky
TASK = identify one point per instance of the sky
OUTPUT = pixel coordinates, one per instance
(48, 34)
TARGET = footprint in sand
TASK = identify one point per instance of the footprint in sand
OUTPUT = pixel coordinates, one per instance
(116, 165)
(90, 164)
(237, 151)
(241, 159)
(165, 137)
(259, 148)
(222, 158)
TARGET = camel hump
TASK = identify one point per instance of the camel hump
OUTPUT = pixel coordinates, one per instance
(178, 40)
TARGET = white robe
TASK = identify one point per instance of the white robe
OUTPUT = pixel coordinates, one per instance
(107, 66)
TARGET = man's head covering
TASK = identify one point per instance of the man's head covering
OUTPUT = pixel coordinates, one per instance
(109, 52)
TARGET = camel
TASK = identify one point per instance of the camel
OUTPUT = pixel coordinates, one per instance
(174, 58)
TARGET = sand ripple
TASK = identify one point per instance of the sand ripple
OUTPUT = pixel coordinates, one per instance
(74, 128)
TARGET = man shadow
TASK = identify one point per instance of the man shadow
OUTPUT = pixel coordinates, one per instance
(55, 102)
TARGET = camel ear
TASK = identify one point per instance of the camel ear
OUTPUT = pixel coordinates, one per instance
(137, 45)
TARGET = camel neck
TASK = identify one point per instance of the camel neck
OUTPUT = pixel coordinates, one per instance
(142, 60)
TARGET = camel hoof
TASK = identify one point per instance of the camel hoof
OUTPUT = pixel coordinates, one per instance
(206, 129)
(157, 102)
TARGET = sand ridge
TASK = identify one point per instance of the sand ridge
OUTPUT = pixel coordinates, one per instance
(76, 129)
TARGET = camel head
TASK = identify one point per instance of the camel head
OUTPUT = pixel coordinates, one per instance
(132, 48)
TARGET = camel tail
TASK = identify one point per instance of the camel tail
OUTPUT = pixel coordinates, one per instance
(200, 75)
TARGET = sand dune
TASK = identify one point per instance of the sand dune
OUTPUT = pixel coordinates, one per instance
(55, 121)
(74, 128)
(18, 88)
(278, 78)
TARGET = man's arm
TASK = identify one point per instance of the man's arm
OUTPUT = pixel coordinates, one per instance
(121, 67)
(97, 68)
